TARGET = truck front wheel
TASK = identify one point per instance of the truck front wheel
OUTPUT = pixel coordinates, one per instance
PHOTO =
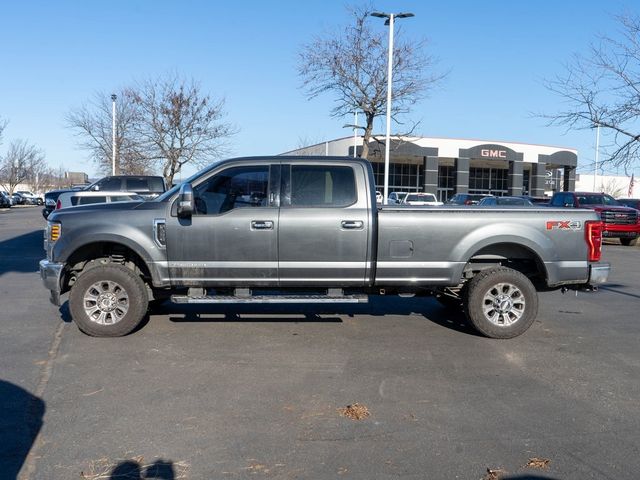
(501, 302)
(108, 301)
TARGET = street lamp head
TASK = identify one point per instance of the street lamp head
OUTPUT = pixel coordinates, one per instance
(113, 97)
(389, 15)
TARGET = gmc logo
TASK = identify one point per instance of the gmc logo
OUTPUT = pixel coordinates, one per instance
(485, 152)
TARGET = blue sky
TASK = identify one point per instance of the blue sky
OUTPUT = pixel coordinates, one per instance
(55, 55)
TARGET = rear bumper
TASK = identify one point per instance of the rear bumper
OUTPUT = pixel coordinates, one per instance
(599, 273)
(51, 274)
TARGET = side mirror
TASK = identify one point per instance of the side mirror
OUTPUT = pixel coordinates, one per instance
(95, 188)
(185, 201)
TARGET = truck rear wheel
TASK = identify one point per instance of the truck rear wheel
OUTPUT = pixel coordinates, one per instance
(629, 241)
(108, 301)
(501, 302)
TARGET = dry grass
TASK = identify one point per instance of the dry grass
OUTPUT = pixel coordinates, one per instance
(494, 474)
(355, 411)
(539, 463)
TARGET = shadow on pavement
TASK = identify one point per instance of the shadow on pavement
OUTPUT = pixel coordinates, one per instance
(21, 415)
(21, 253)
(133, 470)
(426, 307)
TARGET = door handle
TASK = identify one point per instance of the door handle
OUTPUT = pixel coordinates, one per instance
(352, 224)
(261, 225)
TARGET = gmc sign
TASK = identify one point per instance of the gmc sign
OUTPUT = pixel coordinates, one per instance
(487, 153)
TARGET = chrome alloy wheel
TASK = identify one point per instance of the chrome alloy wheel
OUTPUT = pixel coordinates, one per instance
(503, 304)
(106, 302)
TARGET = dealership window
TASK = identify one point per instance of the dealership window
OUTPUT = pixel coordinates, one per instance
(402, 176)
(446, 182)
(488, 180)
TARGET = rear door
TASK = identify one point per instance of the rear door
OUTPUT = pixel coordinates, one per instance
(324, 225)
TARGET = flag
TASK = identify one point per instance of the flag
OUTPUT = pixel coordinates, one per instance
(630, 193)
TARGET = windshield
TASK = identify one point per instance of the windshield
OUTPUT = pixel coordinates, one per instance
(596, 199)
(420, 197)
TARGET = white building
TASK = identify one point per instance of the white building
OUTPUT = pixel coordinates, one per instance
(446, 166)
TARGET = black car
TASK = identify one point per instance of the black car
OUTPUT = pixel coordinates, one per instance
(147, 186)
(466, 199)
(50, 199)
(5, 200)
(630, 202)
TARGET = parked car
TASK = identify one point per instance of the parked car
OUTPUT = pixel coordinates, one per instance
(618, 221)
(17, 199)
(465, 199)
(396, 197)
(539, 201)
(5, 200)
(9, 197)
(421, 199)
(630, 202)
(504, 201)
(147, 186)
(88, 197)
(30, 198)
(50, 199)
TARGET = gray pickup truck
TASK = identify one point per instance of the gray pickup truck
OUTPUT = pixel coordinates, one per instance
(308, 230)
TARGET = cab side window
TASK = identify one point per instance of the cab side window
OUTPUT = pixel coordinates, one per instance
(322, 186)
(236, 187)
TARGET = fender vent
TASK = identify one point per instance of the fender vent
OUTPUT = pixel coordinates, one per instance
(160, 232)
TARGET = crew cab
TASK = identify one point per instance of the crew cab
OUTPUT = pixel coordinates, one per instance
(618, 221)
(308, 230)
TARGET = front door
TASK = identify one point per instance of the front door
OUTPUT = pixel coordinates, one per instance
(232, 237)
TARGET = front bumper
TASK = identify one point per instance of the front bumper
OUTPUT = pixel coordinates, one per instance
(51, 274)
(599, 273)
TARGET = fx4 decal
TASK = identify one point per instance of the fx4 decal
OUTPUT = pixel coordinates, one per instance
(564, 225)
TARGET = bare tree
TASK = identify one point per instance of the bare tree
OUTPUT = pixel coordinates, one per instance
(92, 123)
(352, 65)
(602, 88)
(3, 125)
(178, 124)
(16, 164)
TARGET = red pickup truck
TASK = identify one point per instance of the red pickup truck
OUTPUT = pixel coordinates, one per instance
(618, 220)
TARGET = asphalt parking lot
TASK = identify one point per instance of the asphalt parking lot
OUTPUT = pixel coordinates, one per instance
(256, 392)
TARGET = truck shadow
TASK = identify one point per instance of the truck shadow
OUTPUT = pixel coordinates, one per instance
(428, 308)
(21, 253)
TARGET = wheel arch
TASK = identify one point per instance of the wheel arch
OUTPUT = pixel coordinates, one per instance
(105, 251)
(516, 256)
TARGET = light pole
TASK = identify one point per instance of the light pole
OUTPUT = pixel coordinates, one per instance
(595, 168)
(114, 152)
(389, 21)
(355, 127)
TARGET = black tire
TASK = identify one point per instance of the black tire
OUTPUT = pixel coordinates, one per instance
(501, 303)
(116, 296)
(629, 242)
